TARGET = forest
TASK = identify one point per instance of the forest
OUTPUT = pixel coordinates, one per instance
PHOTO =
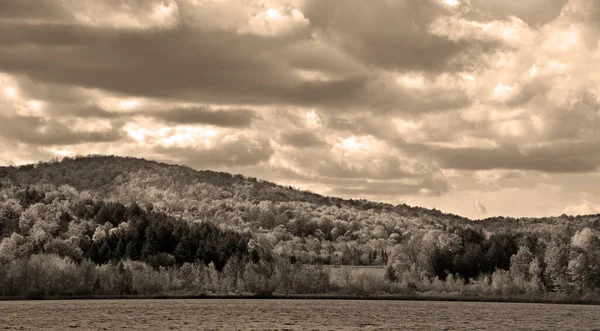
(107, 225)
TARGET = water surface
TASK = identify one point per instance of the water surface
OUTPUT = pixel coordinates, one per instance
(250, 314)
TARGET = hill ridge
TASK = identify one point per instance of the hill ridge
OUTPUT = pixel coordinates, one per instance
(215, 178)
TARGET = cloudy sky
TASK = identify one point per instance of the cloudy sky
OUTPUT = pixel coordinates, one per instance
(475, 107)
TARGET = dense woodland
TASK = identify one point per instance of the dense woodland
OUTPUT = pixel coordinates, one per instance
(108, 225)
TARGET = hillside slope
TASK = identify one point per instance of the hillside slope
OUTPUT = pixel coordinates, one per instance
(107, 176)
(177, 189)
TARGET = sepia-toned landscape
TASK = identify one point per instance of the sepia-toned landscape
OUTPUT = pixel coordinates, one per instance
(300, 164)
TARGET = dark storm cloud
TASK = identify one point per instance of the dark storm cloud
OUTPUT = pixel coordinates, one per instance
(32, 9)
(59, 94)
(152, 63)
(383, 96)
(388, 189)
(225, 153)
(394, 34)
(48, 132)
(533, 12)
(199, 65)
(427, 186)
(231, 118)
(16, 33)
(189, 62)
(234, 118)
(88, 112)
(302, 139)
(165, 63)
(380, 166)
(555, 158)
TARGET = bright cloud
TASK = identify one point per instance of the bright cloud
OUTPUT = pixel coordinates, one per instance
(272, 22)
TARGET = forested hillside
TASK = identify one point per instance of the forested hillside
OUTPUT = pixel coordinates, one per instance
(332, 230)
(116, 225)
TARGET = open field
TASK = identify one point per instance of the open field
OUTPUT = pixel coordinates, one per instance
(244, 314)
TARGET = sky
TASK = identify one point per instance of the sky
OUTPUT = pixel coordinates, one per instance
(479, 108)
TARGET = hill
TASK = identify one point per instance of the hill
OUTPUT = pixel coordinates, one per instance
(182, 191)
(232, 201)
(117, 211)
(107, 176)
